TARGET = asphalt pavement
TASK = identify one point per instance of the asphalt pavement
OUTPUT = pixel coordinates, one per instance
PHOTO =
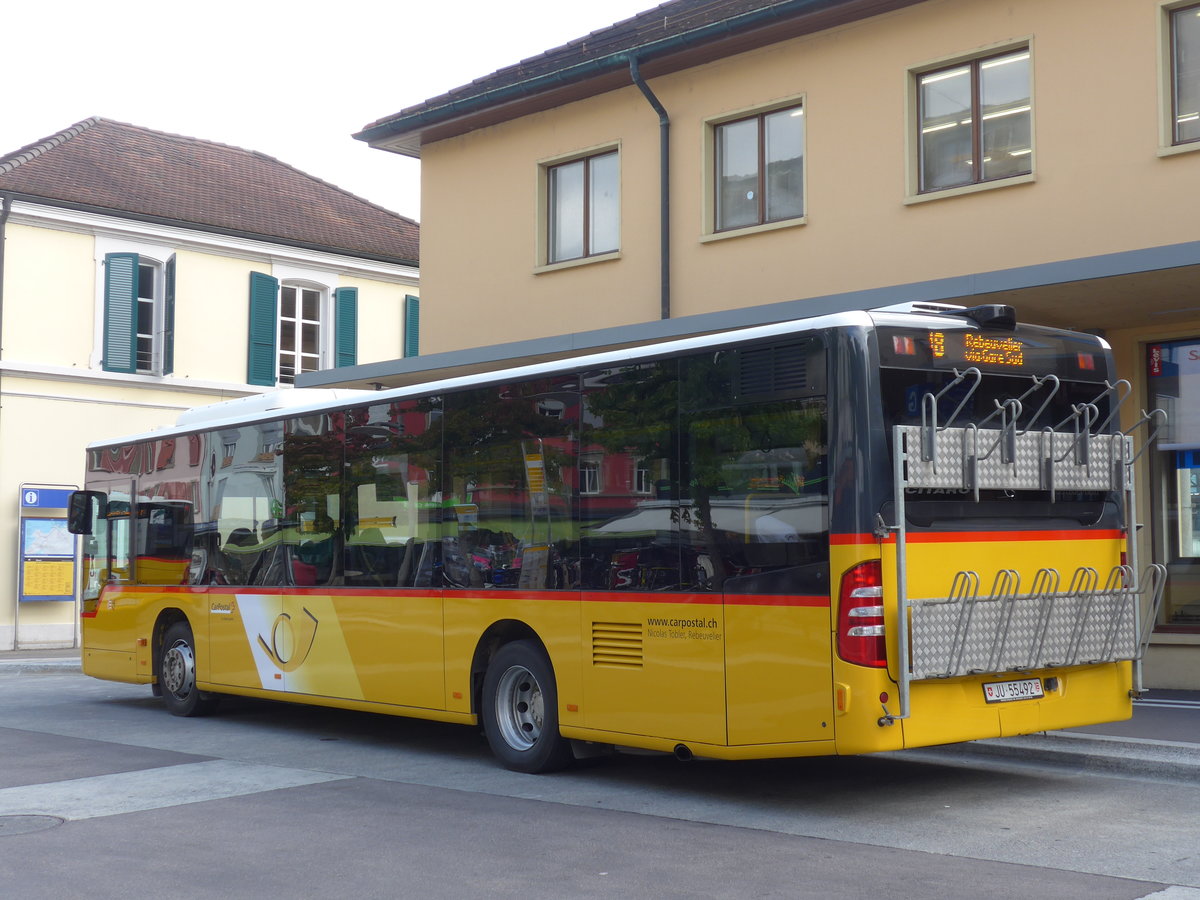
(1161, 740)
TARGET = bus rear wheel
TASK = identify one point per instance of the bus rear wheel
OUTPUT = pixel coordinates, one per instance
(177, 674)
(520, 710)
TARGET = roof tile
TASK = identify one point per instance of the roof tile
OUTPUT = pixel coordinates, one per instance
(102, 164)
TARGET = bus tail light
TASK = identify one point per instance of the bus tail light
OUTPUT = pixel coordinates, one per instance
(860, 634)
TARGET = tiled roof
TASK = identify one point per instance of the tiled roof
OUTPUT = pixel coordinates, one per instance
(114, 167)
(678, 27)
(665, 20)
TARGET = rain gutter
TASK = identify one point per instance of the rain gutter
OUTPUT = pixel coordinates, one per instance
(6, 202)
(402, 124)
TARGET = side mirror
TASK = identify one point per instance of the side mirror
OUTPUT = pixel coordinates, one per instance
(81, 512)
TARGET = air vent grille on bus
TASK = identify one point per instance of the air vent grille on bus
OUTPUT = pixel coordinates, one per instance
(773, 370)
(617, 644)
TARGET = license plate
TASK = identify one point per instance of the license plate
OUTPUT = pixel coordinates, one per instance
(1007, 691)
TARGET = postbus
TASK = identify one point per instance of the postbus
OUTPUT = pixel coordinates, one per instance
(860, 532)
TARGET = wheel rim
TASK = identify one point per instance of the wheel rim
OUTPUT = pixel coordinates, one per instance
(179, 670)
(520, 708)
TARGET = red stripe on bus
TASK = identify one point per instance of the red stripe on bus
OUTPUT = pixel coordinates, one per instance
(714, 599)
(844, 539)
(802, 600)
(936, 537)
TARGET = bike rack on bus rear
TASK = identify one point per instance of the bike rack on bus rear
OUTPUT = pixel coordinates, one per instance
(1005, 630)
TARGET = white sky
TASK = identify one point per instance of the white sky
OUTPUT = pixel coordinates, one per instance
(289, 79)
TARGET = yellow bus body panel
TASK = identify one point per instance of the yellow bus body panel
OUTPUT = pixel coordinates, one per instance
(732, 678)
(654, 669)
(373, 648)
(778, 677)
(955, 709)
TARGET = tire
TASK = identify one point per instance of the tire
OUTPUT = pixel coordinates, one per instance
(520, 710)
(177, 674)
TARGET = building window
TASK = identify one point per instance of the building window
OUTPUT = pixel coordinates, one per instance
(297, 328)
(551, 409)
(975, 121)
(584, 216)
(641, 476)
(299, 331)
(149, 299)
(759, 169)
(589, 476)
(1185, 74)
(1174, 386)
(139, 314)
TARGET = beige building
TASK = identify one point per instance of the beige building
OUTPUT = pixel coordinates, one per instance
(142, 274)
(720, 164)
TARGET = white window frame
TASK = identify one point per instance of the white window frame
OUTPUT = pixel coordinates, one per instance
(587, 483)
(299, 323)
(157, 303)
(325, 284)
(155, 255)
(642, 485)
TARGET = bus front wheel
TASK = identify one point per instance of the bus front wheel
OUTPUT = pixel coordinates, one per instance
(520, 710)
(177, 674)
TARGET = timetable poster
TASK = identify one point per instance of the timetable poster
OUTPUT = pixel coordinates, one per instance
(47, 560)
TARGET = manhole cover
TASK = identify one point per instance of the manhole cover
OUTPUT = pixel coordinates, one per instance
(26, 824)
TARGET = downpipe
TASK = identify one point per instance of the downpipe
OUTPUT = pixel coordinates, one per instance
(664, 188)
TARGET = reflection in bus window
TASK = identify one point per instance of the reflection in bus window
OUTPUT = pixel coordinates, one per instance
(310, 532)
(717, 482)
(629, 526)
(393, 460)
(106, 549)
(509, 456)
(245, 505)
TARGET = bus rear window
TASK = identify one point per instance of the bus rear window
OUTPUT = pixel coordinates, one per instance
(1043, 404)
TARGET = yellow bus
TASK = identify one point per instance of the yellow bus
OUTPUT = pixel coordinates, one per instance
(852, 533)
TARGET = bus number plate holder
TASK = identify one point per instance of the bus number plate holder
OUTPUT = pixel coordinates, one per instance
(1008, 691)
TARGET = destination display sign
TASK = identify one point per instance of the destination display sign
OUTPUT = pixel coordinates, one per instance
(991, 350)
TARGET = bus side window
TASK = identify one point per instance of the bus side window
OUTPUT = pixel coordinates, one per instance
(116, 545)
(754, 448)
(245, 506)
(391, 475)
(88, 518)
(165, 536)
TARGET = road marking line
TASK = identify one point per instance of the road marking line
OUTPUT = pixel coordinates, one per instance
(1174, 893)
(123, 792)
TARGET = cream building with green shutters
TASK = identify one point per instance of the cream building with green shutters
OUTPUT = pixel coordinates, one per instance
(144, 273)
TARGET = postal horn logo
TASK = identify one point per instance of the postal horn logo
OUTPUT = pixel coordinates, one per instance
(291, 640)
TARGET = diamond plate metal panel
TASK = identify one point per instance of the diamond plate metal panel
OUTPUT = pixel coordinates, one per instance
(1027, 631)
(964, 458)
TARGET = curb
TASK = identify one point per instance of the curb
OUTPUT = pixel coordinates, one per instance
(1093, 753)
(45, 664)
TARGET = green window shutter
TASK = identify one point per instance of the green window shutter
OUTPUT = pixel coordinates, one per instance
(262, 357)
(412, 326)
(120, 312)
(345, 332)
(168, 339)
